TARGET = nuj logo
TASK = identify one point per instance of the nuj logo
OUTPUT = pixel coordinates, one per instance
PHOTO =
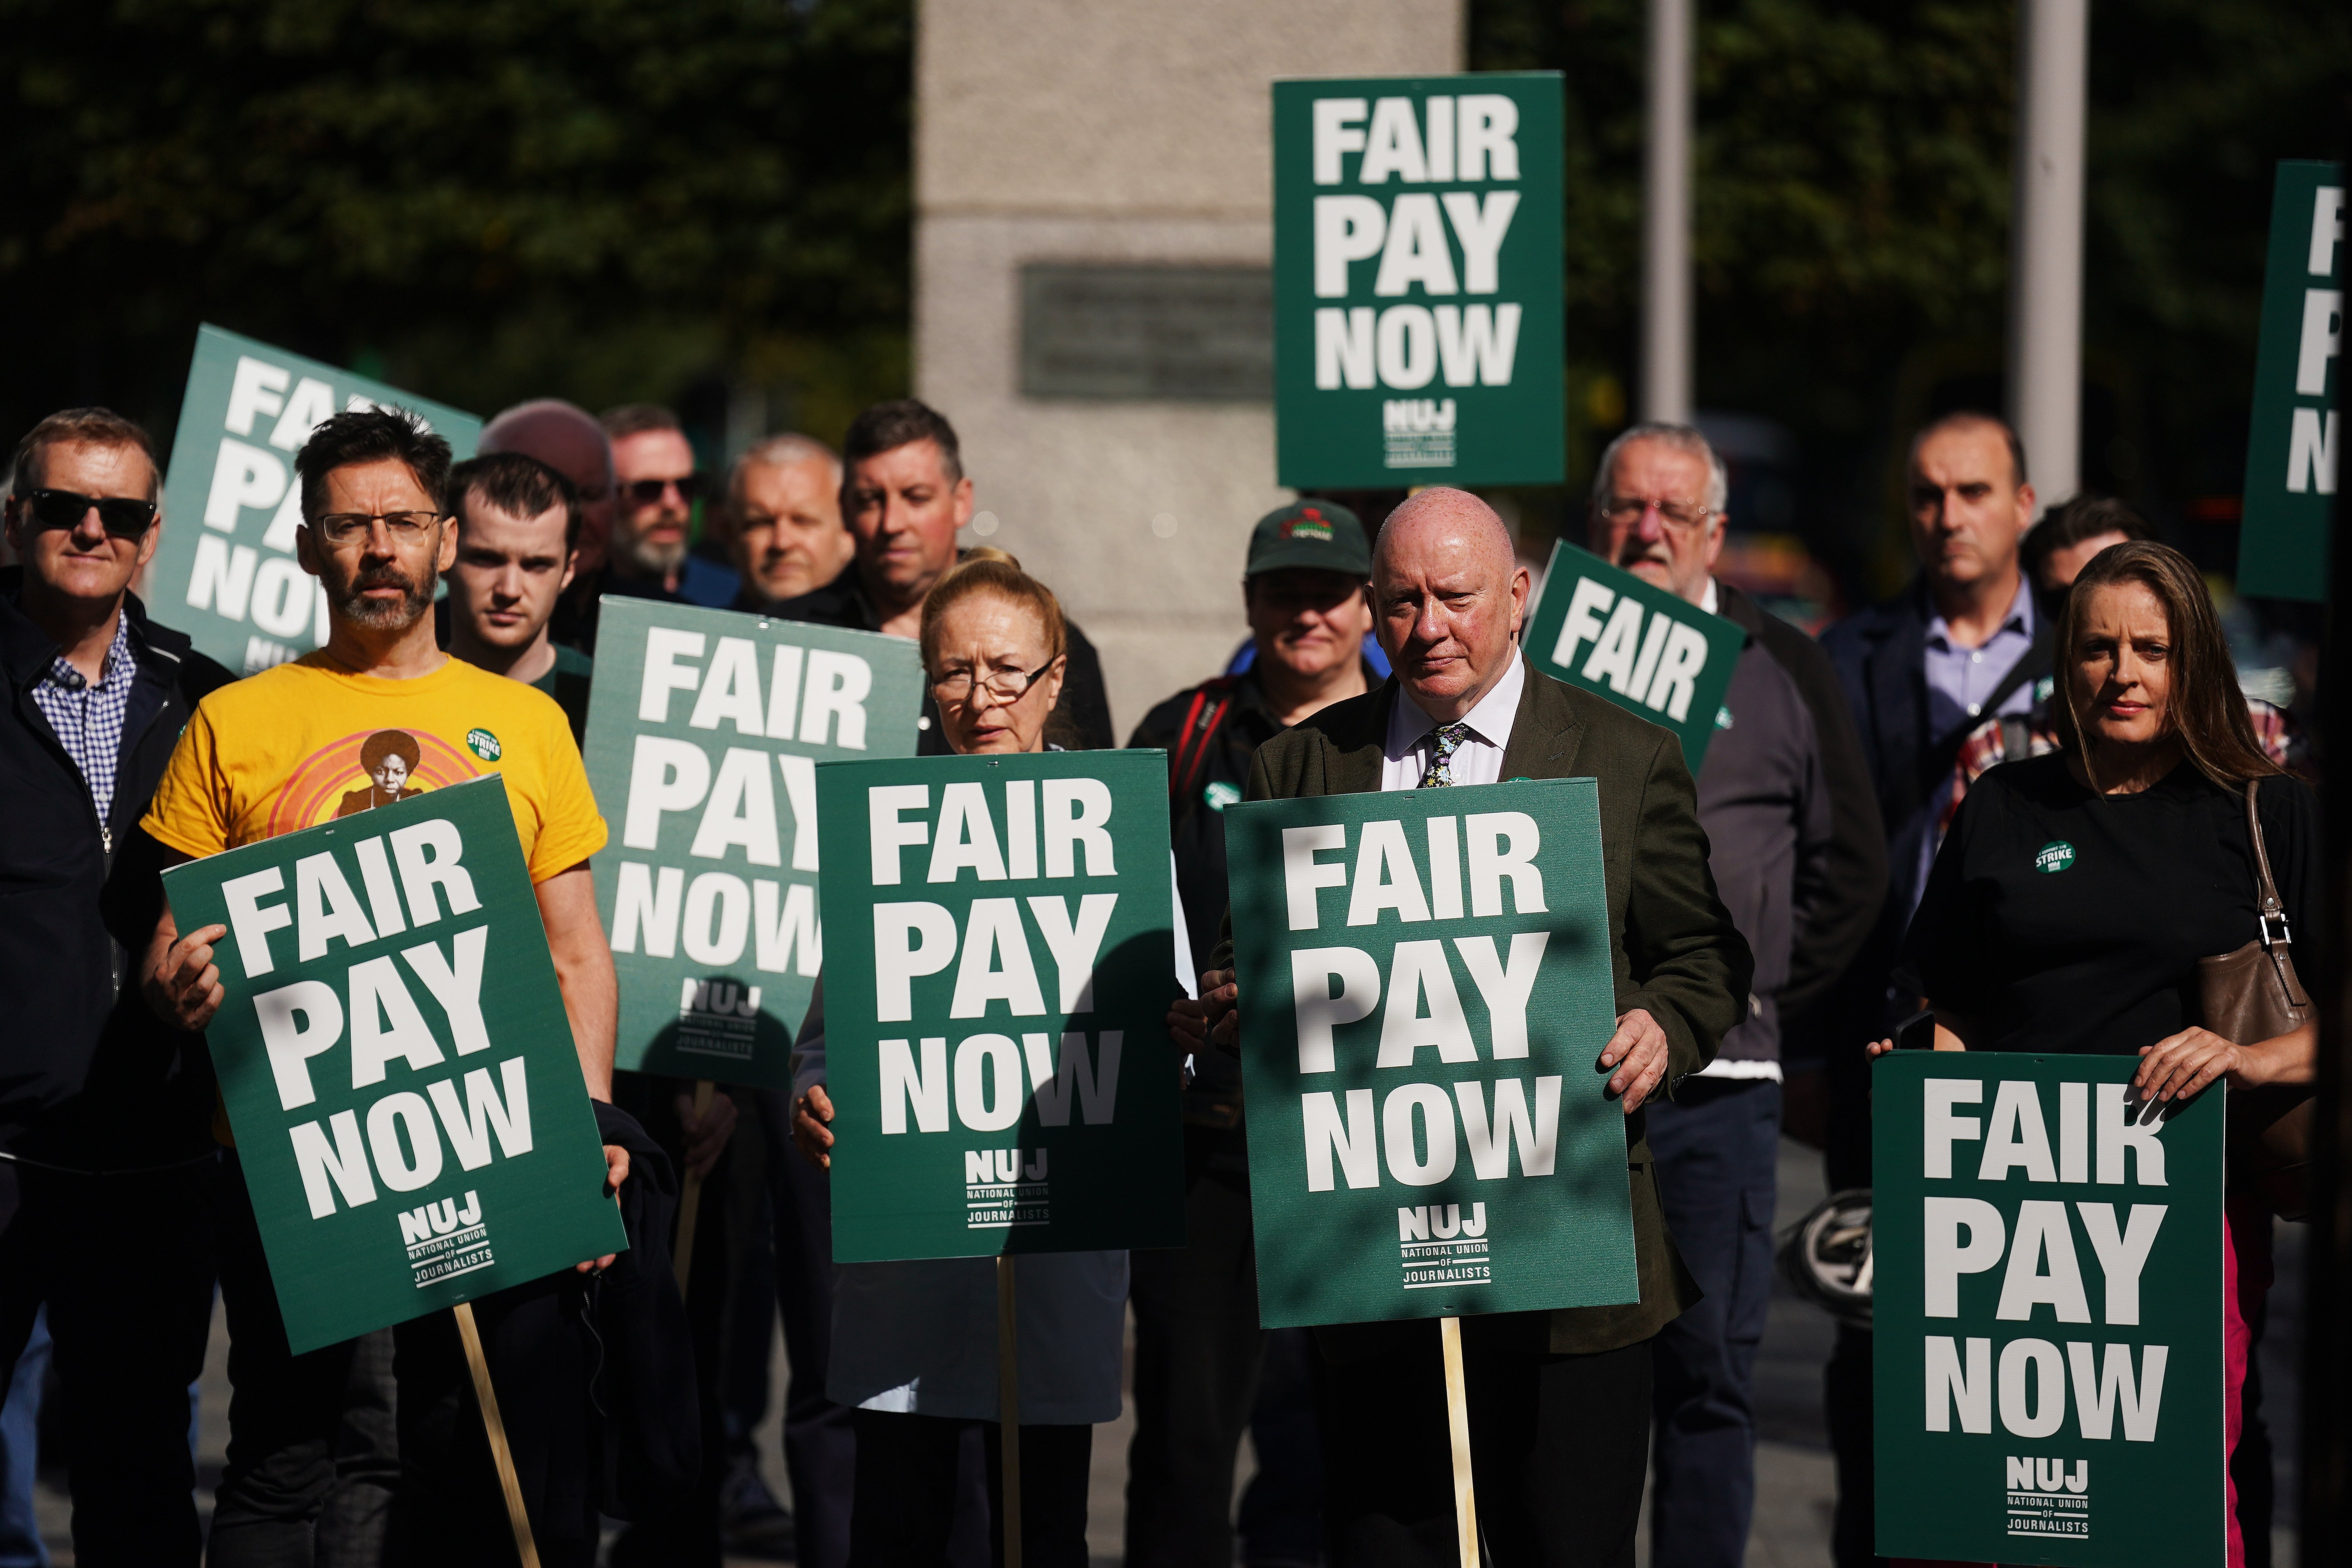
(442, 1218)
(725, 998)
(2032, 1475)
(1416, 415)
(1442, 1220)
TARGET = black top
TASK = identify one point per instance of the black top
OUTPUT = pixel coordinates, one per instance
(2055, 920)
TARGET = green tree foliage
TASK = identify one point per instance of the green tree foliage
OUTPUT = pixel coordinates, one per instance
(484, 199)
(1850, 232)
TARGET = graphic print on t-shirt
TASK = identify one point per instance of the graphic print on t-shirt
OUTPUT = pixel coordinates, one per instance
(364, 769)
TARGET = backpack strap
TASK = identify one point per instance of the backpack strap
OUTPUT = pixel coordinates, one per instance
(1210, 703)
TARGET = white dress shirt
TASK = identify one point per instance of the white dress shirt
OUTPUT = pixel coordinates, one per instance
(1405, 756)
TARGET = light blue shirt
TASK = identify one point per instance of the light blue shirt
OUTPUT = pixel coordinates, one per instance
(1960, 681)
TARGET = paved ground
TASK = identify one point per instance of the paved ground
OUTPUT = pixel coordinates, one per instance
(1795, 1482)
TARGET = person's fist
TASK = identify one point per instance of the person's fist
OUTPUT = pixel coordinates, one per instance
(811, 1112)
(1221, 1001)
(186, 990)
(616, 1171)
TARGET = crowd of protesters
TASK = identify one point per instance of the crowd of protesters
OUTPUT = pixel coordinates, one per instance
(1836, 863)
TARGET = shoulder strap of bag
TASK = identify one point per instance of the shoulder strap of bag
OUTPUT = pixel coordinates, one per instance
(1937, 761)
(2272, 912)
(1199, 728)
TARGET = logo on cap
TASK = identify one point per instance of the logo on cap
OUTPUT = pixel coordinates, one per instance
(1308, 525)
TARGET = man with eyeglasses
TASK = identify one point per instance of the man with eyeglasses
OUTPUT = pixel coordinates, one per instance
(653, 535)
(277, 753)
(106, 1151)
(1795, 850)
(1965, 642)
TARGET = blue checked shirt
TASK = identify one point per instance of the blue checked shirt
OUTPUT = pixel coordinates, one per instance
(89, 718)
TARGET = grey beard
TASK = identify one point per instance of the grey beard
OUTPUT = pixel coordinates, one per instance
(653, 560)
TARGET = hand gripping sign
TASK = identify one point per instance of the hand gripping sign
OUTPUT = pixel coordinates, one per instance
(224, 570)
(408, 1109)
(705, 728)
(1653, 654)
(2046, 1261)
(996, 1003)
(1425, 991)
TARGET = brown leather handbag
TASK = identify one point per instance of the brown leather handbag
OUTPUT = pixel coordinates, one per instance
(2250, 995)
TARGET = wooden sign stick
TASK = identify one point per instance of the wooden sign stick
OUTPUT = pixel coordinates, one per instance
(1458, 1422)
(501, 1456)
(1008, 1411)
(689, 1200)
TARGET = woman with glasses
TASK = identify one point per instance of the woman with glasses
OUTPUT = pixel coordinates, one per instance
(914, 1343)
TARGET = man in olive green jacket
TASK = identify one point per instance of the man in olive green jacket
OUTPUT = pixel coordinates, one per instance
(1559, 1402)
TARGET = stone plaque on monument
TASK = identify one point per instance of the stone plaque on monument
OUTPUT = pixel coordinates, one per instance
(1180, 333)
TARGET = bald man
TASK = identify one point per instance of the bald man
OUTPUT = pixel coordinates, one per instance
(567, 439)
(1560, 1417)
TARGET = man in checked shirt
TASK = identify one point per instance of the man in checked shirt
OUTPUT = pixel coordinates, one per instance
(106, 1153)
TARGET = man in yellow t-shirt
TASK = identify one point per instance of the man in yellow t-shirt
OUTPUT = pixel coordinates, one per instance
(380, 713)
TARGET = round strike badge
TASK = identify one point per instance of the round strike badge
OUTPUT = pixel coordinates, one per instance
(2054, 857)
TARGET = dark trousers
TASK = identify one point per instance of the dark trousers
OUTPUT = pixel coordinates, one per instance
(908, 1491)
(287, 1414)
(684, 1533)
(820, 1441)
(1846, 1401)
(1717, 1143)
(1558, 1448)
(1197, 1349)
(124, 1264)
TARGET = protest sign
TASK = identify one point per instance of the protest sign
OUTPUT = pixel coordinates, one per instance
(2047, 1313)
(996, 1035)
(1417, 284)
(224, 571)
(2294, 450)
(410, 1116)
(1653, 654)
(1473, 924)
(705, 727)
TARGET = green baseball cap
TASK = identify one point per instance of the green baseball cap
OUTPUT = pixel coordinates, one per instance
(1320, 534)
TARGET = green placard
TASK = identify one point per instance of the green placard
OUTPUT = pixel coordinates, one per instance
(1653, 654)
(1426, 989)
(1417, 282)
(2294, 450)
(996, 1034)
(224, 572)
(705, 727)
(408, 1110)
(2047, 1309)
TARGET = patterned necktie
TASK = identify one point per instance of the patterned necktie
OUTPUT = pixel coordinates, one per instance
(1442, 743)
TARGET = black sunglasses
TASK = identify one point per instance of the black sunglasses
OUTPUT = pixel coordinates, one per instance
(646, 492)
(124, 518)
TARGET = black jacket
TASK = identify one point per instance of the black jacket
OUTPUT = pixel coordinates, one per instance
(1787, 802)
(1086, 702)
(89, 1078)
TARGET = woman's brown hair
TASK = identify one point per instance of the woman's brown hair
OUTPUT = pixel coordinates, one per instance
(2205, 709)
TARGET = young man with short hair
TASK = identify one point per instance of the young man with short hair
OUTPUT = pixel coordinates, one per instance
(567, 439)
(277, 753)
(106, 1153)
(518, 523)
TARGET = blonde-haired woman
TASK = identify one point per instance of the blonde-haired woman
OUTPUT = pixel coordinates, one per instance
(914, 1345)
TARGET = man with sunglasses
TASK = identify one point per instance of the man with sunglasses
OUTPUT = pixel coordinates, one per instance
(106, 1151)
(277, 753)
(1795, 850)
(653, 535)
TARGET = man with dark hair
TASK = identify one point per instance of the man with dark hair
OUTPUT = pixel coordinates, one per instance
(2062, 543)
(568, 439)
(106, 1153)
(1965, 641)
(375, 533)
(905, 494)
(658, 483)
(518, 538)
